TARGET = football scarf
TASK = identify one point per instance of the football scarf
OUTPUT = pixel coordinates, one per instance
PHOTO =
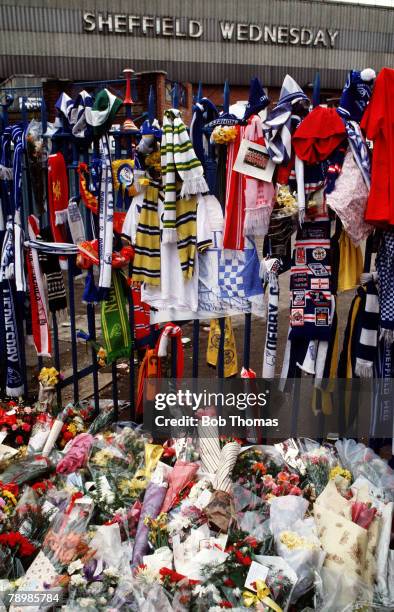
(12, 198)
(57, 298)
(144, 332)
(106, 212)
(282, 120)
(178, 159)
(75, 222)
(58, 200)
(367, 346)
(259, 195)
(360, 150)
(146, 264)
(150, 368)
(88, 198)
(385, 267)
(171, 330)
(230, 348)
(269, 273)
(115, 322)
(234, 215)
(77, 115)
(14, 378)
(39, 315)
(310, 283)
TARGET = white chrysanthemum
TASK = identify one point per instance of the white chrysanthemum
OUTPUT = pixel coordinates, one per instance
(178, 523)
(200, 590)
(86, 602)
(146, 575)
(77, 580)
(74, 566)
(111, 572)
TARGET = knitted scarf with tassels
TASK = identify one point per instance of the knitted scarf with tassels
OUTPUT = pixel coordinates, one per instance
(182, 171)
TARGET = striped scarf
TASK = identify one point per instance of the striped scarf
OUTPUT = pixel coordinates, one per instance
(282, 120)
(360, 150)
(367, 346)
(385, 267)
(178, 160)
(186, 225)
(234, 215)
(39, 314)
(146, 264)
(106, 212)
(15, 134)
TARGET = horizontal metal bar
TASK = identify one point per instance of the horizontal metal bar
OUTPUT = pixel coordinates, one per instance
(80, 374)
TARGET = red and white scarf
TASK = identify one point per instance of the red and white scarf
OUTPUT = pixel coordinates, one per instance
(39, 314)
(58, 200)
(234, 215)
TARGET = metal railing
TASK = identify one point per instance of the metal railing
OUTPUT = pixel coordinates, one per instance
(74, 153)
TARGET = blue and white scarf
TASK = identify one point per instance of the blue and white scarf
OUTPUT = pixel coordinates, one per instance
(77, 115)
(11, 342)
(282, 121)
(360, 150)
(12, 194)
(106, 212)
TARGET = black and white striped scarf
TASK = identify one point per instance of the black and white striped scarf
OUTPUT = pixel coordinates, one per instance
(367, 346)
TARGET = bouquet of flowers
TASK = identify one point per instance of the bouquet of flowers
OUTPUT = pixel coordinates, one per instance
(91, 586)
(16, 421)
(76, 420)
(48, 378)
(8, 500)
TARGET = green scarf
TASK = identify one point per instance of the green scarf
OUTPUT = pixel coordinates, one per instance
(115, 322)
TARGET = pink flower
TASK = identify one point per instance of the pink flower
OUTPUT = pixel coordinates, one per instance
(14, 427)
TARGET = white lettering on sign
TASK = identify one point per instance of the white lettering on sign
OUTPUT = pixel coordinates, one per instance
(175, 27)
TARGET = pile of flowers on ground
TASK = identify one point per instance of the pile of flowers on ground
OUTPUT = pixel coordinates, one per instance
(104, 518)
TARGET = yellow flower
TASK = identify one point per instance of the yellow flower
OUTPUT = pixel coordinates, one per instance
(102, 457)
(10, 496)
(293, 541)
(339, 471)
(72, 429)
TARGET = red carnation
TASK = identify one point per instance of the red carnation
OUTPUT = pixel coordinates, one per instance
(225, 604)
(19, 440)
(13, 539)
(229, 583)
(243, 559)
(12, 487)
(173, 576)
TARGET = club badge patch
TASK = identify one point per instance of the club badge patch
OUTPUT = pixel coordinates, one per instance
(298, 298)
(322, 317)
(297, 317)
(319, 253)
(320, 283)
(300, 257)
(318, 269)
